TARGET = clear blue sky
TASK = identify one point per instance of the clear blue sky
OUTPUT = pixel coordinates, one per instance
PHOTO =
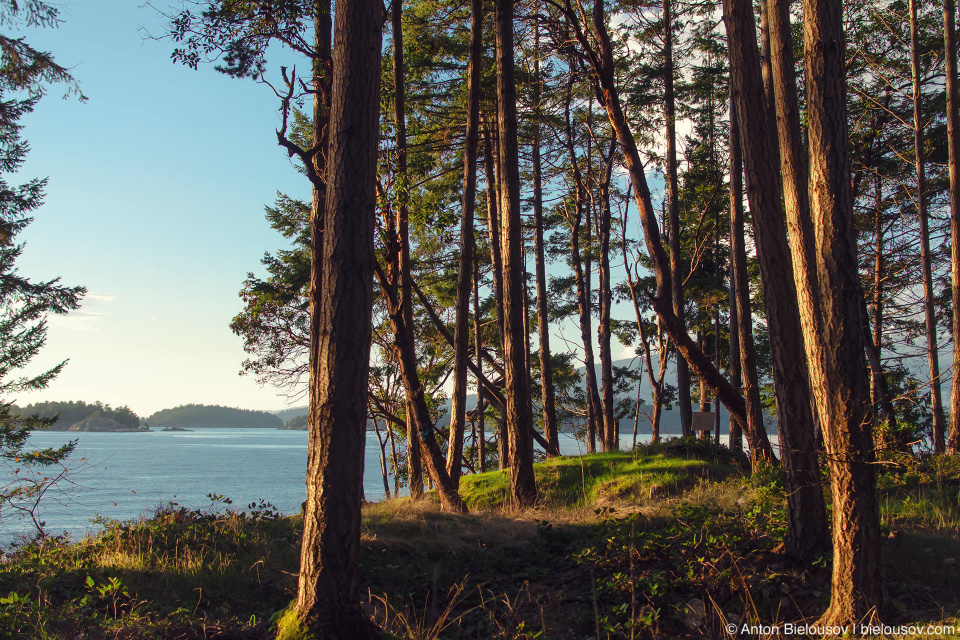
(155, 204)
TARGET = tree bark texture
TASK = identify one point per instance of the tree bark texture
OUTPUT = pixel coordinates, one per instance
(838, 373)
(738, 261)
(519, 419)
(807, 530)
(328, 594)
(461, 331)
(758, 144)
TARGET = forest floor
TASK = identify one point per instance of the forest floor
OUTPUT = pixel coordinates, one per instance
(668, 541)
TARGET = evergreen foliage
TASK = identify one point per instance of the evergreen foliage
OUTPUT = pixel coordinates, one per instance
(24, 304)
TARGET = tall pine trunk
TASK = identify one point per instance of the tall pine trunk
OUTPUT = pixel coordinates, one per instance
(741, 288)
(807, 533)
(548, 399)
(519, 420)
(328, 593)
(929, 311)
(838, 374)
(673, 198)
(461, 332)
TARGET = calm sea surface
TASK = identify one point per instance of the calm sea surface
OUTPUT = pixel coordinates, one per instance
(127, 475)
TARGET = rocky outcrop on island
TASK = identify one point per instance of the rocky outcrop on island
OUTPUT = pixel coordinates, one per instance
(103, 424)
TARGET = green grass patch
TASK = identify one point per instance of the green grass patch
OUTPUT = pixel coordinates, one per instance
(643, 476)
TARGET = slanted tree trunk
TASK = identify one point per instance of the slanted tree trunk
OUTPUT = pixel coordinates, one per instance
(519, 420)
(741, 287)
(807, 533)
(953, 132)
(328, 593)
(673, 198)
(414, 462)
(930, 321)
(838, 374)
(599, 53)
(461, 331)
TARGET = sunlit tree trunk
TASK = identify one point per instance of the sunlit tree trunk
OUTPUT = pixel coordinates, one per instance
(741, 287)
(519, 422)
(328, 594)
(807, 533)
(838, 374)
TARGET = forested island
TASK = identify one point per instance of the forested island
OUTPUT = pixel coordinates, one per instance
(200, 415)
(75, 412)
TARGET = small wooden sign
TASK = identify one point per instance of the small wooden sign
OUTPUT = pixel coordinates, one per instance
(703, 420)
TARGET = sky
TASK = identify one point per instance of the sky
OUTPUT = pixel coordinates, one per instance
(155, 202)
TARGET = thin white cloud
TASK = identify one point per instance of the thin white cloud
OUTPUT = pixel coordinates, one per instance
(98, 296)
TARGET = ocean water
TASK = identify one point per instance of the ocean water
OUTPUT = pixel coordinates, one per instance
(124, 476)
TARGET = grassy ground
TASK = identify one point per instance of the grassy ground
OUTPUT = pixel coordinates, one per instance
(666, 542)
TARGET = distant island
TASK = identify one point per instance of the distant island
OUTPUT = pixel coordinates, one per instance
(77, 412)
(213, 416)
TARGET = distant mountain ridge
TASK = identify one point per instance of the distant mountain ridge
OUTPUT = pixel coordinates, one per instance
(215, 416)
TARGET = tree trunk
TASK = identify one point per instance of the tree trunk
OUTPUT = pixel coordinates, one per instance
(328, 594)
(403, 259)
(461, 332)
(838, 375)
(683, 371)
(930, 321)
(550, 430)
(478, 347)
(493, 225)
(519, 421)
(611, 436)
(581, 277)
(953, 131)
(738, 261)
(807, 531)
